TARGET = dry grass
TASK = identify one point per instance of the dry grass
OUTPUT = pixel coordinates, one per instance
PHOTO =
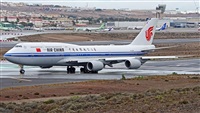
(192, 49)
(68, 37)
(175, 93)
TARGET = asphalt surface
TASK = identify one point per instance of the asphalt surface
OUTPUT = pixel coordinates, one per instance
(10, 76)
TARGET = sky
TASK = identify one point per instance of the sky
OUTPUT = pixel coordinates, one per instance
(182, 5)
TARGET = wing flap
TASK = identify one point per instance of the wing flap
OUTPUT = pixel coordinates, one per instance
(158, 57)
(141, 57)
(113, 60)
(147, 50)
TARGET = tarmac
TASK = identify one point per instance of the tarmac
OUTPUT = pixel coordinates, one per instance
(121, 42)
(10, 76)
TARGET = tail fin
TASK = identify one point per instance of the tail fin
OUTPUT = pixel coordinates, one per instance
(102, 26)
(146, 35)
(110, 29)
(164, 26)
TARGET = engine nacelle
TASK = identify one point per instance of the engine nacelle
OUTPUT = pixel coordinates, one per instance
(133, 63)
(95, 66)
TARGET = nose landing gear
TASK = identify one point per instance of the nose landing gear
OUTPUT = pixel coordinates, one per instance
(22, 71)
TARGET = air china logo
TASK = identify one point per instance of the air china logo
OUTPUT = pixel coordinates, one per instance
(149, 33)
(38, 50)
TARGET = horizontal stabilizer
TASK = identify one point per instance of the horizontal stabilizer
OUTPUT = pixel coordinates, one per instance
(158, 57)
(148, 50)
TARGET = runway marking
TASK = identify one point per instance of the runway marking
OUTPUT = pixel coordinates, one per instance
(21, 79)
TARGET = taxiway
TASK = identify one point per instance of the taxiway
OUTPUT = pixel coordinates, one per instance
(10, 76)
(121, 42)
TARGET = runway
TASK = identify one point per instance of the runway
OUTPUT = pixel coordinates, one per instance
(121, 42)
(34, 75)
(12, 34)
(10, 76)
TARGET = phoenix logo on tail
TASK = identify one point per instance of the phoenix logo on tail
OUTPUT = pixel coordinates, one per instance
(149, 33)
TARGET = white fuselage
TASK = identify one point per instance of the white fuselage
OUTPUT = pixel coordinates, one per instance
(87, 28)
(91, 58)
(55, 54)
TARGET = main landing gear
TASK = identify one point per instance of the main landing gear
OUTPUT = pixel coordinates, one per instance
(85, 70)
(71, 69)
(22, 71)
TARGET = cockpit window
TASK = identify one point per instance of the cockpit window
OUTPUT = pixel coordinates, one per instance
(18, 46)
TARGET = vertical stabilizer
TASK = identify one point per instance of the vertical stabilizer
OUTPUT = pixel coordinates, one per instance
(102, 26)
(164, 26)
(146, 35)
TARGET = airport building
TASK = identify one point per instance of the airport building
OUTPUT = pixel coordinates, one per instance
(177, 22)
(132, 25)
(183, 22)
(37, 22)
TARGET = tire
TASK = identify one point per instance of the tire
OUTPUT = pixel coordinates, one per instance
(82, 70)
(22, 71)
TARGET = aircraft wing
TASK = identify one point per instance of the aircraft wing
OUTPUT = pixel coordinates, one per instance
(141, 57)
(147, 50)
(122, 59)
(110, 61)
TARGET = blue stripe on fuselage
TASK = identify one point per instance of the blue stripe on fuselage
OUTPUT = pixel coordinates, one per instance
(59, 54)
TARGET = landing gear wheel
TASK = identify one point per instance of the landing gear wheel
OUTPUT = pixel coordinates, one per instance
(71, 70)
(82, 70)
(22, 71)
(85, 70)
(94, 72)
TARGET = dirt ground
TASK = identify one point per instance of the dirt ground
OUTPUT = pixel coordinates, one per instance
(69, 37)
(179, 93)
(136, 85)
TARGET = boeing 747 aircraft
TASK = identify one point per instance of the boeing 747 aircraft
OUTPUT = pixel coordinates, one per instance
(162, 28)
(91, 58)
(89, 29)
(157, 29)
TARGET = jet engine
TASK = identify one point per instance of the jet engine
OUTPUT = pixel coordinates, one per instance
(95, 66)
(133, 63)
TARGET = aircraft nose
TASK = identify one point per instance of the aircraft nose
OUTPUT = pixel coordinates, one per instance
(7, 56)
